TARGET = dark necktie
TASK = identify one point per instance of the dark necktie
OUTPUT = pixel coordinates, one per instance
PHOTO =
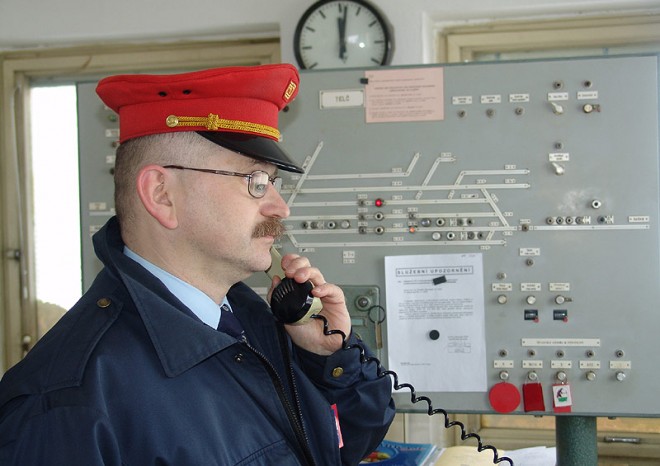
(229, 324)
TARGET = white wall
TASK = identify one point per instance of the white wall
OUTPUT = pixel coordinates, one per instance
(48, 23)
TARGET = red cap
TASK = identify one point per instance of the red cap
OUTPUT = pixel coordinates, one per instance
(235, 107)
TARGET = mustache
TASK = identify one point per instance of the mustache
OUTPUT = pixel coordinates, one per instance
(270, 227)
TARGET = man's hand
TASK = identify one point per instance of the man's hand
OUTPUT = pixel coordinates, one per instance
(310, 336)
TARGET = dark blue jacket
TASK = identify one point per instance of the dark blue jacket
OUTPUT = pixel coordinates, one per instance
(130, 376)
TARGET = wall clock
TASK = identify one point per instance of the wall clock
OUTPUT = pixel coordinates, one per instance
(342, 34)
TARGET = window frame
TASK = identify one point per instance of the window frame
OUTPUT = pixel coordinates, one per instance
(462, 43)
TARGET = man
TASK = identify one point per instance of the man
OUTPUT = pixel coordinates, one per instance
(136, 373)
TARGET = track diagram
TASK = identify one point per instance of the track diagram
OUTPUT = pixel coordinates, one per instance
(408, 206)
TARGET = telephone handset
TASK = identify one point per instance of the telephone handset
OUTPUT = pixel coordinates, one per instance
(291, 302)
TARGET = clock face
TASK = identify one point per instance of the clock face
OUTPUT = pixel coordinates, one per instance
(340, 34)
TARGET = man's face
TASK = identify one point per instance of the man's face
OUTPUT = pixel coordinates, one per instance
(223, 227)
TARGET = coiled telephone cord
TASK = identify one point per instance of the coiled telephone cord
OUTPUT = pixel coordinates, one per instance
(413, 395)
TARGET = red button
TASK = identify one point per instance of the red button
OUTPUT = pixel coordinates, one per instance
(504, 397)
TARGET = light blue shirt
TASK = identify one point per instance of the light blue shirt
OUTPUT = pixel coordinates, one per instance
(198, 302)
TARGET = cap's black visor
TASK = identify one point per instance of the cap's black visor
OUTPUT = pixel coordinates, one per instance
(256, 147)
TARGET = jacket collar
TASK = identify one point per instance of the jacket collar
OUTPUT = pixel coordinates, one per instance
(180, 339)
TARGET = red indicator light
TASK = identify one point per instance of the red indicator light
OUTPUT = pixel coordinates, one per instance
(379, 202)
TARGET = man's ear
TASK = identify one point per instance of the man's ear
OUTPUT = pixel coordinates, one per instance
(154, 187)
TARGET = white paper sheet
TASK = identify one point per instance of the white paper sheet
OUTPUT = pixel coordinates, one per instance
(429, 296)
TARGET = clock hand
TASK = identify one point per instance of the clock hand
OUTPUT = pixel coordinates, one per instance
(341, 23)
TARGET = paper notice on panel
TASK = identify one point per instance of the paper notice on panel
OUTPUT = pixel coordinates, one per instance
(435, 321)
(411, 94)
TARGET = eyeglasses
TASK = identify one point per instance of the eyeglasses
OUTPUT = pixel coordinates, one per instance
(257, 180)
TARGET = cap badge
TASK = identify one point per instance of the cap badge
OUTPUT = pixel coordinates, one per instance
(290, 90)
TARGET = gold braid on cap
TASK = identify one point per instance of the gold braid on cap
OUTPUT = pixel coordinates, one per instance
(213, 123)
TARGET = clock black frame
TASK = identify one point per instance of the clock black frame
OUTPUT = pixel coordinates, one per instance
(385, 25)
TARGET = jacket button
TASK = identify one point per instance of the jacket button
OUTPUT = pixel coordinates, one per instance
(238, 358)
(337, 372)
(103, 303)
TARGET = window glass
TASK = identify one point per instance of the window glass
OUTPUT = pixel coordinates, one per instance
(56, 205)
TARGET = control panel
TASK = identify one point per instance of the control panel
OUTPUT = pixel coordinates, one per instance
(507, 214)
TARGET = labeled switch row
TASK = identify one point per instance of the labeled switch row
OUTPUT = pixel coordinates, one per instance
(531, 299)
